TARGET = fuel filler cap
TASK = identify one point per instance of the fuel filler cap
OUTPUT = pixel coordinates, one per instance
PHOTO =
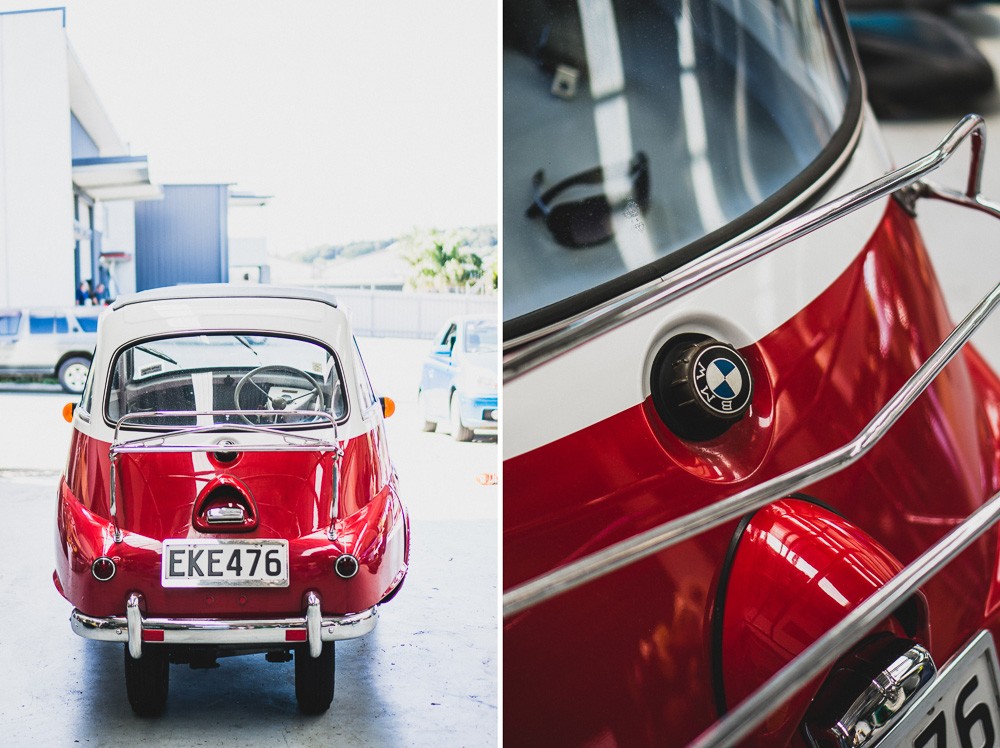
(700, 387)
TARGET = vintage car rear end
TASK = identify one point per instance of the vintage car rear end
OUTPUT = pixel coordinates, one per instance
(750, 467)
(229, 488)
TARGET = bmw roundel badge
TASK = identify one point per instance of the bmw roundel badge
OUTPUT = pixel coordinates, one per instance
(700, 387)
(721, 380)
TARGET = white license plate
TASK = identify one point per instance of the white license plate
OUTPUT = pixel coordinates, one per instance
(224, 563)
(961, 707)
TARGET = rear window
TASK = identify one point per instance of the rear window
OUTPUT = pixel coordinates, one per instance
(634, 128)
(284, 379)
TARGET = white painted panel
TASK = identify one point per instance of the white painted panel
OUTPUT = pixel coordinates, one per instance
(36, 192)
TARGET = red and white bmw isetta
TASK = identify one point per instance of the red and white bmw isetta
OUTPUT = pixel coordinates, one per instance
(751, 469)
(229, 488)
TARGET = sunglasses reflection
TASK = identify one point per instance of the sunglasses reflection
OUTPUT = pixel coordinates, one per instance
(587, 221)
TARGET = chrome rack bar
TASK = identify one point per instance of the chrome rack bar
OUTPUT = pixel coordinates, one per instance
(132, 420)
(836, 642)
(633, 549)
(523, 356)
(113, 497)
(155, 444)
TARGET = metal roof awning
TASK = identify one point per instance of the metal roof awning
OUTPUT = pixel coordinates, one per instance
(242, 199)
(115, 178)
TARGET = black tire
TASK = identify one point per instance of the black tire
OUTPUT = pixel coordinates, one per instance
(147, 680)
(422, 411)
(73, 374)
(314, 679)
(458, 430)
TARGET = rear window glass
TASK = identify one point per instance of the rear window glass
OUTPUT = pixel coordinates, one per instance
(283, 380)
(632, 128)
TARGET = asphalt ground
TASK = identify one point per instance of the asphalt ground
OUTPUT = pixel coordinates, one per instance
(427, 675)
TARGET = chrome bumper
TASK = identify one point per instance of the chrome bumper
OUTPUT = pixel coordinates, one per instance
(312, 629)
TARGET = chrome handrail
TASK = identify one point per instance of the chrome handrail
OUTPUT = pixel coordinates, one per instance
(523, 355)
(132, 419)
(155, 443)
(754, 709)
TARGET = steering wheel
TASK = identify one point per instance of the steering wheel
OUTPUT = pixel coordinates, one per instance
(281, 403)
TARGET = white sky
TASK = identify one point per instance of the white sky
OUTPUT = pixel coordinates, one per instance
(363, 119)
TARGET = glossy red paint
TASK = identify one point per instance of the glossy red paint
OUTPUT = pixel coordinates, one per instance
(797, 568)
(627, 659)
(162, 494)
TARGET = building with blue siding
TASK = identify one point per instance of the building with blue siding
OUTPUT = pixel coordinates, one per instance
(183, 238)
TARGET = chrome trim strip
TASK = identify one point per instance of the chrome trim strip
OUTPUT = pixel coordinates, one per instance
(335, 497)
(113, 496)
(836, 642)
(226, 515)
(633, 549)
(222, 631)
(527, 353)
(137, 444)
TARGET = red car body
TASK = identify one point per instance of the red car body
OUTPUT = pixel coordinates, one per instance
(622, 628)
(333, 500)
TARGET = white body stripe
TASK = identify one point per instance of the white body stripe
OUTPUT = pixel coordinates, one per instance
(610, 373)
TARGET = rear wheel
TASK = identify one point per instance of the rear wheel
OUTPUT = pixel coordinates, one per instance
(73, 374)
(147, 681)
(314, 677)
(458, 430)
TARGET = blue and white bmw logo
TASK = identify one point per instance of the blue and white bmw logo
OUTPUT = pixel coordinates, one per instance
(722, 380)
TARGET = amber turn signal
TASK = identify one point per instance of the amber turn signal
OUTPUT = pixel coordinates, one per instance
(388, 406)
(67, 411)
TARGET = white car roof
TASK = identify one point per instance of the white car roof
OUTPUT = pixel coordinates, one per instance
(224, 291)
(220, 308)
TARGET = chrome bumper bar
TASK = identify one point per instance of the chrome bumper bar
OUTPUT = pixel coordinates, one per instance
(312, 629)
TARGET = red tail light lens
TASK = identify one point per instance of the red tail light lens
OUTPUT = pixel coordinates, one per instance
(103, 569)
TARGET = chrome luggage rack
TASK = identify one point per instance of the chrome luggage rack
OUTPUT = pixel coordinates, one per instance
(908, 186)
(288, 441)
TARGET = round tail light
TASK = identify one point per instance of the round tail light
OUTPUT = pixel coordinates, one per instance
(103, 569)
(346, 566)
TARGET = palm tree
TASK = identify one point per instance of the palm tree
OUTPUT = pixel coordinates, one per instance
(441, 262)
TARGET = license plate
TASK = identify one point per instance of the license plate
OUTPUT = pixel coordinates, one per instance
(224, 563)
(961, 708)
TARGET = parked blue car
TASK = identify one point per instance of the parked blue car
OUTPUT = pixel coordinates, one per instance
(458, 384)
